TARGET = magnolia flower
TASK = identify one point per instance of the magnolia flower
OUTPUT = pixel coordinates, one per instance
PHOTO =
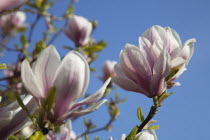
(146, 69)
(13, 118)
(79, 30)
(108, 70)
(9, 4)
(70, 77)
(66, 133)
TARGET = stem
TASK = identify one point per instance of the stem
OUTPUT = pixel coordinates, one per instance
(95, 130)
(151, 114)
(55, 35)
(32, 27)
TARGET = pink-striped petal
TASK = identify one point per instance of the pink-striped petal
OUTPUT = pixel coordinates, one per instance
(161, 69)
(125, 83)
(72, 78)
(135, 66)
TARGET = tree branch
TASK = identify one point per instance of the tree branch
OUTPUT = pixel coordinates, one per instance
(151, 114)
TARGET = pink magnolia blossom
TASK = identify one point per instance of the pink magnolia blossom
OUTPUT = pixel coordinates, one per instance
(13, 118)
(144, 69)
(70, 77)
(108, 70)
(79, 30)
(9, 4)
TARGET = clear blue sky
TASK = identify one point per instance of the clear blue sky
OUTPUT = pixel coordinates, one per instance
(186, 114)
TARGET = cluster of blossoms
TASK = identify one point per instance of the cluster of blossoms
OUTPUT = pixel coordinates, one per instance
(12, 21)
(150, 69)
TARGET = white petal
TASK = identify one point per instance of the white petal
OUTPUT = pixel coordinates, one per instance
(147, 135)
(188, 49)
(181, 70)
(123, 137)
(45, 68)
(29, 80)
(177, 62)
(175, 35)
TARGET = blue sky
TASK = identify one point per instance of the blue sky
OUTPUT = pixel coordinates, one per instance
(186, 114)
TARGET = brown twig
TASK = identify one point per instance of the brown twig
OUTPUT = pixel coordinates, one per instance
(32, 27)
(151, 114)
(95, 130)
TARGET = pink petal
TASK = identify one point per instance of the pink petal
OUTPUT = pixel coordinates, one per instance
(145, 48)
(125, 83)
(135, 66)
(155, 33)
(72, 78)
(161, 70)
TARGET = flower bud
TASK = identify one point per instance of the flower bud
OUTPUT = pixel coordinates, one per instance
(18, 19)
(79, 30)
(108, 70)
